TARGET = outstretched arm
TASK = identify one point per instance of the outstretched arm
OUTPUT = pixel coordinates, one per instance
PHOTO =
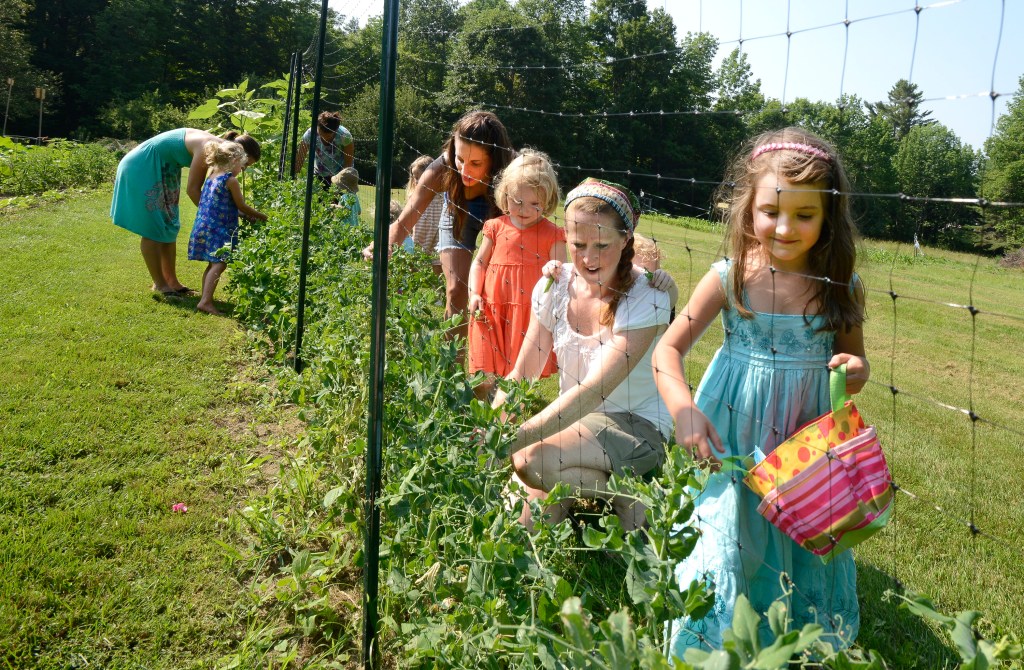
(693, 429)
(236, 195)
(617, 359)
(196, 175)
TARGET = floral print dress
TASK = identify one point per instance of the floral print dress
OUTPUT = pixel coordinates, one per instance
(216, 221)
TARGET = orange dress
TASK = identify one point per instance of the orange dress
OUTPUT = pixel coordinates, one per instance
(515, 268)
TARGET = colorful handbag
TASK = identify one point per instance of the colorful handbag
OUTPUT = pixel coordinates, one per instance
(828, 486)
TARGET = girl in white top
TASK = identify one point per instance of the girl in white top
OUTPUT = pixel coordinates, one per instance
(602, 320)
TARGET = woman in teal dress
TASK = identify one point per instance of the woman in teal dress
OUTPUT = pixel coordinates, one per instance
(791, 309)
(147, 189)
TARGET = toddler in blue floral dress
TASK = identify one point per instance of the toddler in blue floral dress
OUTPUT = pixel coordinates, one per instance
(791, 308)
(216, 222)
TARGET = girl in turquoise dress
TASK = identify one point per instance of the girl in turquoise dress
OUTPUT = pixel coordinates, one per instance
(217, 218)
(792, 308)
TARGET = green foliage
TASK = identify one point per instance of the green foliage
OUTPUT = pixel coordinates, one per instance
(976, 652)
(932, 163)
(33, 170)
(903, 111)
(742, 648)
(19, 61)
(236, 108)
(1003, 177)
(141, 118)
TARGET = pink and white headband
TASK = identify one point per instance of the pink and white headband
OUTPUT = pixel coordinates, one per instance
(806, 149)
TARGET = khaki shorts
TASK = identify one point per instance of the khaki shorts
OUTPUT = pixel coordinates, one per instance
(633, 444)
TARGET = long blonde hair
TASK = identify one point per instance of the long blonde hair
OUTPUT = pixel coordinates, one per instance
(801, 157)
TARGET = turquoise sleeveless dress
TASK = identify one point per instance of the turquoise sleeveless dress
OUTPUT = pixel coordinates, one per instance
(148, 185)
(756, 397)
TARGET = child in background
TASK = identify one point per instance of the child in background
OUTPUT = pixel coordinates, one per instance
(647, 254)
(508, 265)
(216, 224)
(424, 231)
(347, 183)
(791, 308)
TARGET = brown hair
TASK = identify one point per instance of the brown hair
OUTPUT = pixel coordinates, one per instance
(624, 278)
(329, 121)
(249, 143)
(834, 254)
(486, 130)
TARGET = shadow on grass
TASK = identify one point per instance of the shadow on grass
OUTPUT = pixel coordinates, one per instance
(902, 638)
(188, 304)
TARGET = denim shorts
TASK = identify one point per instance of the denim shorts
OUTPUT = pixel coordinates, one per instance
(446, 233)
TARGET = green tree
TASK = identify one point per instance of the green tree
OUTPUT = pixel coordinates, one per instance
(1004, 177)
(17, 62)
(63, 33)
(500, 60)
(415, 130)
(932, 162)
(903, 111)
(426, 32)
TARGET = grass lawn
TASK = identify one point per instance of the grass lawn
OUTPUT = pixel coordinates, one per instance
(114, 407)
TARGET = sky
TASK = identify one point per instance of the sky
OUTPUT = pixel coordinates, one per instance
(951, 49)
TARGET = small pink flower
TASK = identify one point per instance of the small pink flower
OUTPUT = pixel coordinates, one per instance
(179, 507)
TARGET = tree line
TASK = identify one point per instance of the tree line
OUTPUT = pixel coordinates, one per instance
(610, 85)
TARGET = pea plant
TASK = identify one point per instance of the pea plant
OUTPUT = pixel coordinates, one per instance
(463, 584)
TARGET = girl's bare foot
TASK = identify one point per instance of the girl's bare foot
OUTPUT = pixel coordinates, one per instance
(209, 309)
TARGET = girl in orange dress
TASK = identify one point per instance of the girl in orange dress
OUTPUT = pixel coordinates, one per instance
(508, 265)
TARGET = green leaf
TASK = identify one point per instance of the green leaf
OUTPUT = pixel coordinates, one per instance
(744, 627)
(206, 110)
(778, 618)
(332, 496)
(716, 660)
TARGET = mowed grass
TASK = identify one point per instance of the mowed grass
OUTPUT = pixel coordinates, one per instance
(114, 407)
(953, 471)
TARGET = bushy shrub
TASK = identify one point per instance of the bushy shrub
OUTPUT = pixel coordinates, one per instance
(28, 170)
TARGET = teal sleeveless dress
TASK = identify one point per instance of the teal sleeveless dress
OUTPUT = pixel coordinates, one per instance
(756, 397)
(148, 185)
